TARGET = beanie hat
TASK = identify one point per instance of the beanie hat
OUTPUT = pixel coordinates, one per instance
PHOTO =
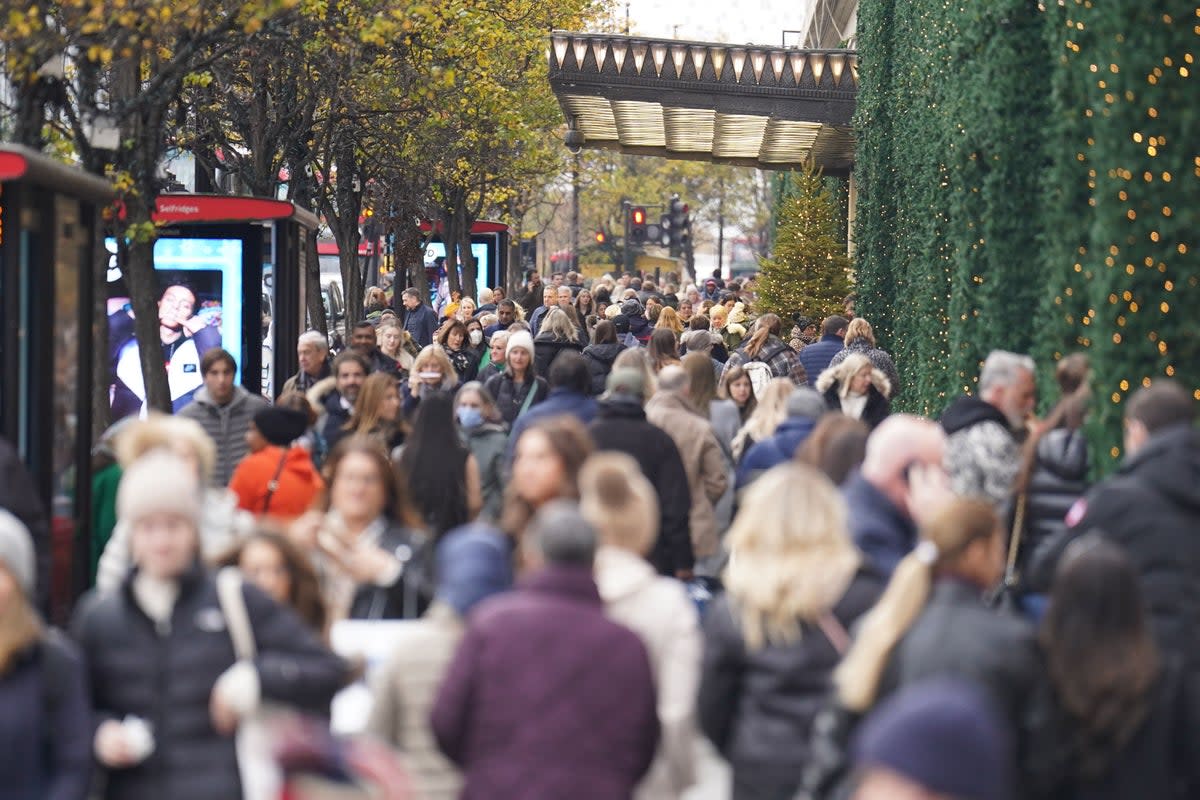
(631, 308)
(625, 381)
(621, 323)
(16, 552)
(807, 402)
(618, 501)
(281, 426)
(520, 339)
(473, 563)
(158, 482)
(944, 734)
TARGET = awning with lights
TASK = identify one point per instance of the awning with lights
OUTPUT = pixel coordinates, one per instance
(748, 105)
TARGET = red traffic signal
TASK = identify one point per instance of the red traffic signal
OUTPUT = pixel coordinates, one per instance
(639, 216)
(600, 237)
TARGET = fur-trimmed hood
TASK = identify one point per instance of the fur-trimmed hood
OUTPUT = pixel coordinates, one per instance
(837, 375)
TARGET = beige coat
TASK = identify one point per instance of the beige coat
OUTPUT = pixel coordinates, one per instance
(404, 691)
(702, 460)
(659, 611)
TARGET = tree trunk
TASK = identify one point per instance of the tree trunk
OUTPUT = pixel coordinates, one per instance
(409, 257)
(450, 223)
(144, 293)
(469, 267)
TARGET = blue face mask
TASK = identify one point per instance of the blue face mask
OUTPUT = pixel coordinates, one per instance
(469, 417)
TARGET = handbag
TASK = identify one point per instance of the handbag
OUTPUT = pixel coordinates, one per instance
(1006, 597)
(273, 486)
(261, 778)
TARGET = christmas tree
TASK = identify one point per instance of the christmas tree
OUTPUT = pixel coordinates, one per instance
(809, 272)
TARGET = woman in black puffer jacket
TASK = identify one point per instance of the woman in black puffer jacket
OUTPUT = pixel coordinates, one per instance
(601, 354)
(159, 650)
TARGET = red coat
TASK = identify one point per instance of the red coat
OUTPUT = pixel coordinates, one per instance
(546, 698)
(299, 482)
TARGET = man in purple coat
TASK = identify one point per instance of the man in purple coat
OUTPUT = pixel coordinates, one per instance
(546, 698)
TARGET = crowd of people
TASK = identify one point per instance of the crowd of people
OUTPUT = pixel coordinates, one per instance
(619, 518)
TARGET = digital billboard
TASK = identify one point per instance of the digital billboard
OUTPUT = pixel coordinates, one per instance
(199, 307)
(484, 270)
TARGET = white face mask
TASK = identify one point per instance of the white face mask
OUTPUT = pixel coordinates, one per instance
(476, 337)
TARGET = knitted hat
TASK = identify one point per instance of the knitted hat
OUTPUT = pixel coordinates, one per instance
(473, 563)
(158, 482)
(806, 401)
(280, 426)
(631, 308)
(944, 734)
(520, 339)
(621, 323)
(16, 552)
(618, 501)
(625, 381)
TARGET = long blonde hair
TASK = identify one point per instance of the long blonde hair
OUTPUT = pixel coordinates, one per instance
(669, 318)
(436, 354)
(770, 411)
(791, 557)
(842, 375)
(366, 418)
(943, 542)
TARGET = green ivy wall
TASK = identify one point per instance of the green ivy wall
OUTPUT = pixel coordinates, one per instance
(1029, 179)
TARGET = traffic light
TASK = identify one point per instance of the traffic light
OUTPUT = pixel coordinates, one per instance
(681, 225)
(601, 237)
(637, 225)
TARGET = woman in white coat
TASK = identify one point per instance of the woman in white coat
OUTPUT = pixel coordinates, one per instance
(621, 504)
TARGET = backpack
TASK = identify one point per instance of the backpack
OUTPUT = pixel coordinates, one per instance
(760, 375)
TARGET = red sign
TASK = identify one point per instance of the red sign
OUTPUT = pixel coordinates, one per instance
(481, 226)
(218, 208)
(12, 166)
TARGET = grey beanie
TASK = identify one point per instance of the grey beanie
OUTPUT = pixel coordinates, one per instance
(16, 552)
(806, 402)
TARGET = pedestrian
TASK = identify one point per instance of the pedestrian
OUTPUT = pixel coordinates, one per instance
(765, 347)
(506, 315)
(621, 505)
(769, 411)
(167, 690)
(816, 356)
(335, 397)
(668, 318)
(442, 474)
(392, 341)
(546, 662)
(549, 303)
(418, 319)
(1150, 507)
(364, 340)
(985, 432)
(45, 718)
(556, 335)
(224, 411)
(721, 412)
(518, 387)
(221, 521)
(312, 350)
(492, 362)
(276, 566)
(837, 446)
(277, 478)
(570, 395)
(601, 354)
(708, 476)
(860, 338)
(639, 326)
(377, 412)
(794, 586)
(433, 373)
(366, 537)
(473, 564)
(545, 467)
(858, 389)
(805, 407)
(1114, 707)
(484, 433)
(453, 339)
(736, 386)
(663, 349)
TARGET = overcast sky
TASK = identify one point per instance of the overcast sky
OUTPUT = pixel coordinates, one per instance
(738, 22)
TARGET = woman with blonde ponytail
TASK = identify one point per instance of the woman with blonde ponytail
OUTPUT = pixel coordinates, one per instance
(932, 620)
(794, 587)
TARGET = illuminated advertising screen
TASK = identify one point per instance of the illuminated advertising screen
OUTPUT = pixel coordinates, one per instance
(199, 307)
(484, 270)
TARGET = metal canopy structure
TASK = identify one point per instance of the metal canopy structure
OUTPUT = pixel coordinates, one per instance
(765, 107)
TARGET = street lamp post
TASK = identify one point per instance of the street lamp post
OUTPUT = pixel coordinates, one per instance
(575, 212)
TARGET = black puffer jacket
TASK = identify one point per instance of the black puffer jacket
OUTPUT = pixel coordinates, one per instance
(166, 677)
(1059, 479)
(757, 707)
(600, 358)
(546, 348)
(1151, 507)
(510, 399)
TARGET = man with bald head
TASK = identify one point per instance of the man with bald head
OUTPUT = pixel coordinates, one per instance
(901, 482)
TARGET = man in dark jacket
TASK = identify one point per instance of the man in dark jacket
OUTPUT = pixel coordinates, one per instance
(570, 385)
(804, 407)
(363, 340)
(639, 326)
(982, 452)
(420, 320)
(816, 356)
(546, 698)
(549, 301)
(1151, 508)
(901, 482)
(224, 410)
(349, 371)
(621, 425)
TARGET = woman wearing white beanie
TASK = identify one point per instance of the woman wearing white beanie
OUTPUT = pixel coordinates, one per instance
(44, 715)
(519, 387)
(168, 688)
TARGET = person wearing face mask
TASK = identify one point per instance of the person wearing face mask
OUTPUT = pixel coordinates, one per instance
(432, 371)
(484, 433)
(474, 345)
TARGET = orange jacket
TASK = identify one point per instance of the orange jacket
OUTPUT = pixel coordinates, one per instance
(299, 482)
